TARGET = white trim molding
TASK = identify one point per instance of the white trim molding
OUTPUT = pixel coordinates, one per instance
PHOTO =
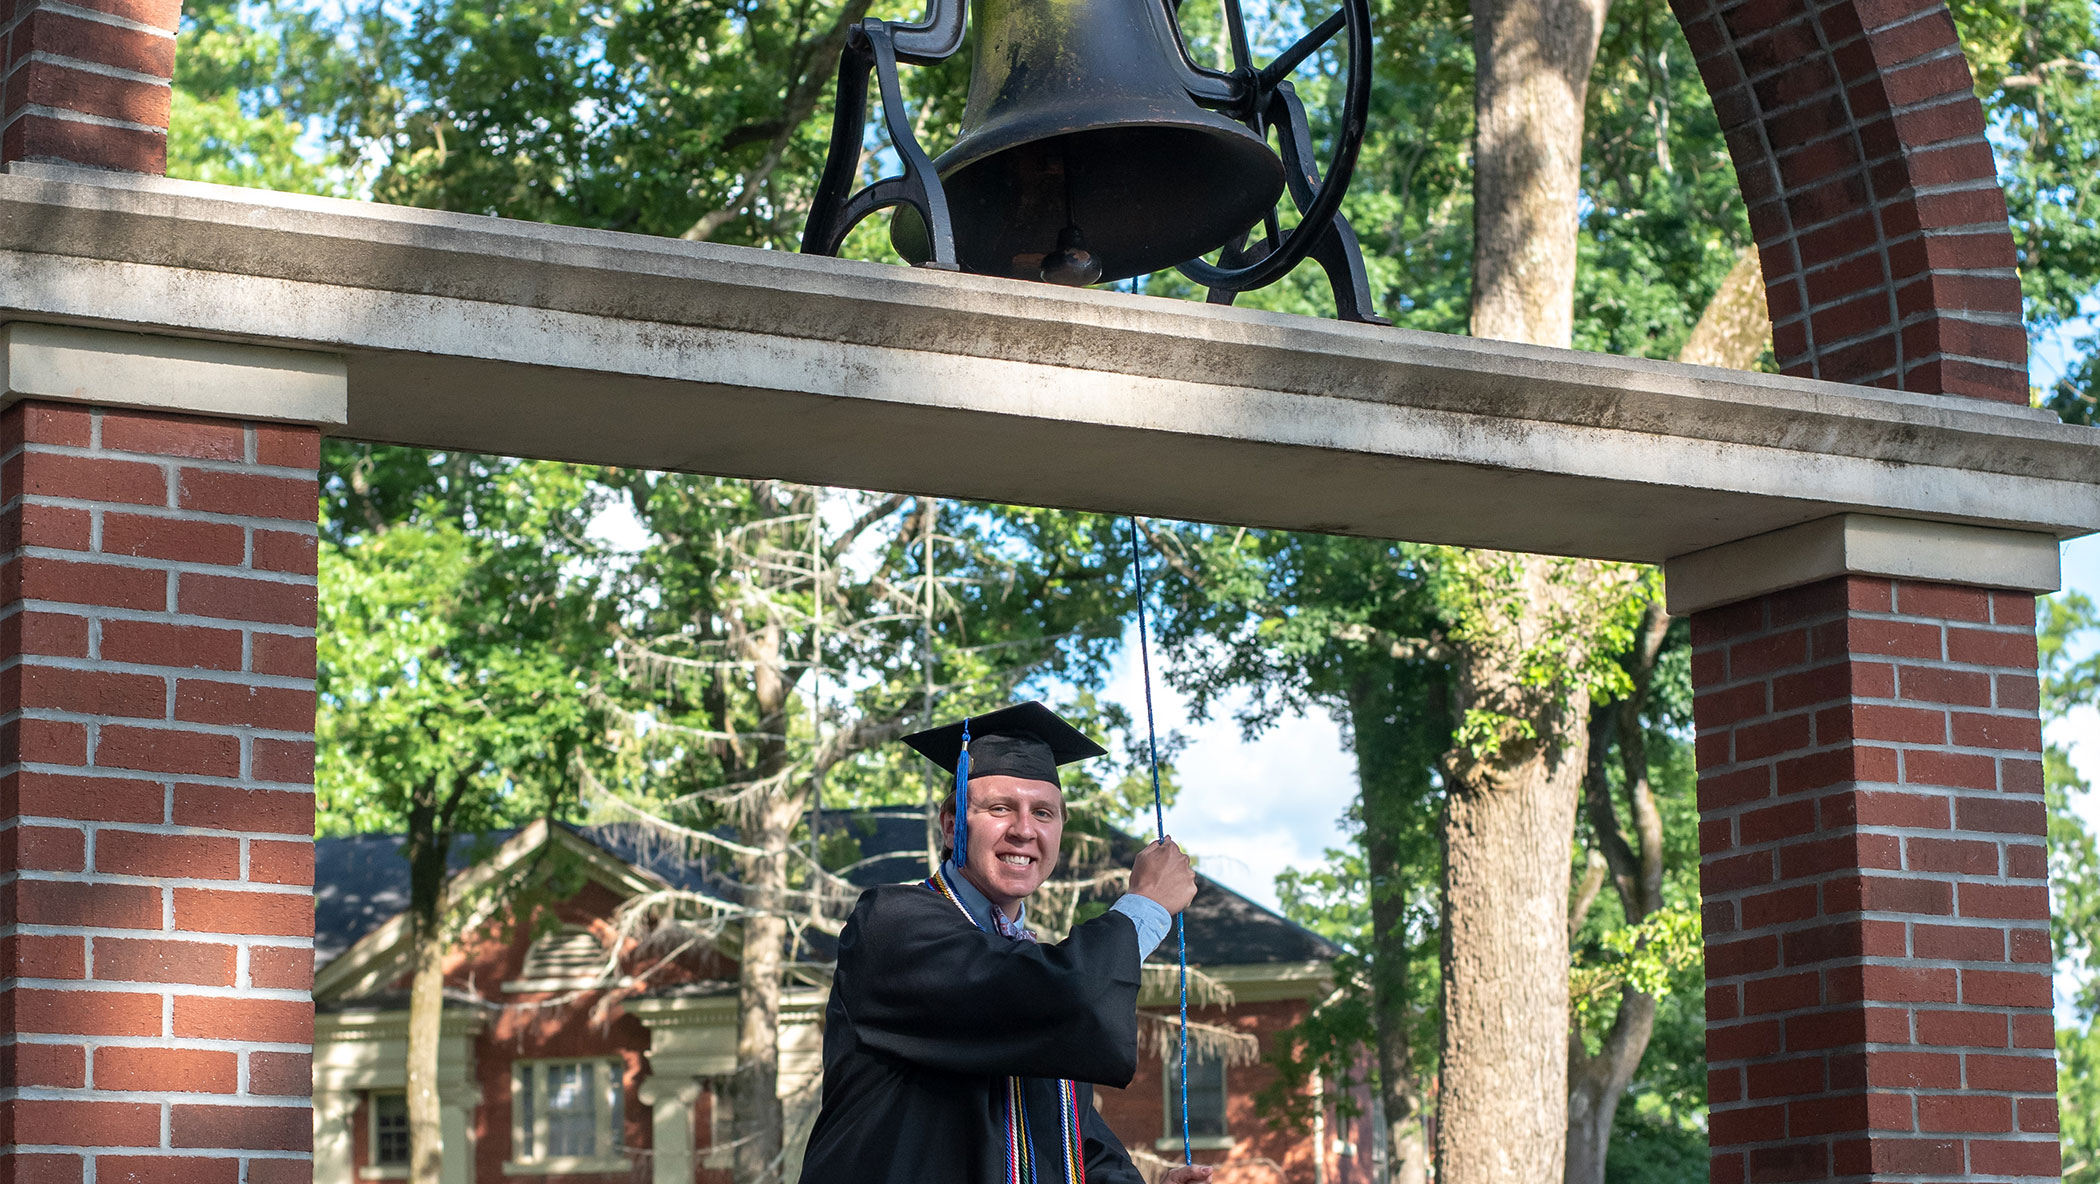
(185, 375)
(358, 1052)
(692, 1037)
(1866, 545)
(1252, 982)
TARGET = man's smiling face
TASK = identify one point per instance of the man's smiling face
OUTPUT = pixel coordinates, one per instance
(1016, 827)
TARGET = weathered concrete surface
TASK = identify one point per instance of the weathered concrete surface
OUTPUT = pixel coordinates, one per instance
(467, 332)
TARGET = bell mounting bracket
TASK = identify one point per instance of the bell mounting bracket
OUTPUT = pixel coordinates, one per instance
(1260, 97)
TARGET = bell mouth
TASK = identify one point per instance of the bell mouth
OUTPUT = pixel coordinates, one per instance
(1147, 195)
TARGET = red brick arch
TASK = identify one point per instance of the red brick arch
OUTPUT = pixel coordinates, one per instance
(1859, 145)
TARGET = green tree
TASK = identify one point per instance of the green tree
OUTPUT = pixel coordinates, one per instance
(2070, 682)
(454, 655)
(1346, 626)
(2037, 67)
(776, 638)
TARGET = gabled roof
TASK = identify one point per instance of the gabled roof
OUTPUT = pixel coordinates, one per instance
(361, 881)
(361, 886)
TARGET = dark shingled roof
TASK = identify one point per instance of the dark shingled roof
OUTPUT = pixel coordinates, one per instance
(360, 882)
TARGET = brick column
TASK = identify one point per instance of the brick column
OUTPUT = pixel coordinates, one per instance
(157, 607)
(86, 82)
(1875, 881)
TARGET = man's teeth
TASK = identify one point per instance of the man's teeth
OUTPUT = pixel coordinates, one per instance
(1016, 860)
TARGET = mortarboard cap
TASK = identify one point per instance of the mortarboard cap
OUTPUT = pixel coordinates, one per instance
(1025, 740)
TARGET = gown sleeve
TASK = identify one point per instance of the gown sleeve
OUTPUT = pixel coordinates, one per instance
(1106, 1160)
(922, 984)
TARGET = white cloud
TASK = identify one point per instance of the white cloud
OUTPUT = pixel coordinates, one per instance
(1246, 810)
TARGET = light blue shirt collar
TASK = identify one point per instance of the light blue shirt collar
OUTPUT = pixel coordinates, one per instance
(974, 902)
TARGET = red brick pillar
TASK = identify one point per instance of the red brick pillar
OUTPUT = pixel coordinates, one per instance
(157, 607)
(1876, 897)
(87, 83)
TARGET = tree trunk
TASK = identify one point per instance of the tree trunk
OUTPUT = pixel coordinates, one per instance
(1531, 73)
(1392, 764)
(1510, 807)
(754, 1093)
(758, 1121)
(1503, 1100)
(1598, 1082)
(426, 847)
(1735, 329)
(1509, 815)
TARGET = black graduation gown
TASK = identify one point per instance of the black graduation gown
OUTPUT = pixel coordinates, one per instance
(928, 1017)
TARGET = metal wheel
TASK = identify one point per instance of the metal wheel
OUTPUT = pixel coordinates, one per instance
(1316, 193)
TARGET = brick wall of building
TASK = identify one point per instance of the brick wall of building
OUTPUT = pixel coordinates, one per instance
(1260, 1153)
(157, 606)
(1876, 898)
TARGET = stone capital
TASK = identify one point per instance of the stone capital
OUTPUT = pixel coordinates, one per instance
(1862, 545)
(187, 376)
(657, 1091)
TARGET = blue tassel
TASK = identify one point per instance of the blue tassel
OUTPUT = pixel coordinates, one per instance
(962, 800)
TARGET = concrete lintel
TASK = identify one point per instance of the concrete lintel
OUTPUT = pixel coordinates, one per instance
(482, 334)
(176, 374)
(1866, 545)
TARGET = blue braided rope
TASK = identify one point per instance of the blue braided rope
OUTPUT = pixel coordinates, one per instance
(1159, 819)
(961, 842)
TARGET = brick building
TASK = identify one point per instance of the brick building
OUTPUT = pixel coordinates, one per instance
(559, 1061)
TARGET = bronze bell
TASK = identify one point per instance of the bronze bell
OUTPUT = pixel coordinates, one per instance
(1082, 156)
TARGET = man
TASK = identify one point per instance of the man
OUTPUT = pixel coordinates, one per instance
(957, 1050)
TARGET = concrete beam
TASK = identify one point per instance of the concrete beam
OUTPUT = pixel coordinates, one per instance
(1861, 544)
(478, 333)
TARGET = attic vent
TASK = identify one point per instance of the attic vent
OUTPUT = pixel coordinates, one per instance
(571, 954)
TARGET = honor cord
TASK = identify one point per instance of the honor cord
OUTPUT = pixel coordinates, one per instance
(1159, 818)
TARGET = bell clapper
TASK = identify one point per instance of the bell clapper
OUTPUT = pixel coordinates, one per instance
(1071, 263)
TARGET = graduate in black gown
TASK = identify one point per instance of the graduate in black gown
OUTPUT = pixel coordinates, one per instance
(957, 1049)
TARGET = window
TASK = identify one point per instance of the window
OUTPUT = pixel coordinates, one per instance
(388, 1152)
(1206, 1100)
(720, 1130)
(565, 1116)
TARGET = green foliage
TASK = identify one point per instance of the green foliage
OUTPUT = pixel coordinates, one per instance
(2037, 66)
(2070, 682)
(453, 652)
(1652, 1144)
(1649, 957)
(2078, 1100)
(1663, 221)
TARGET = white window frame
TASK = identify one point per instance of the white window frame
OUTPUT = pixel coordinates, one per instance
(1171, 1108)
(373, 1169)
(607, 1085)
